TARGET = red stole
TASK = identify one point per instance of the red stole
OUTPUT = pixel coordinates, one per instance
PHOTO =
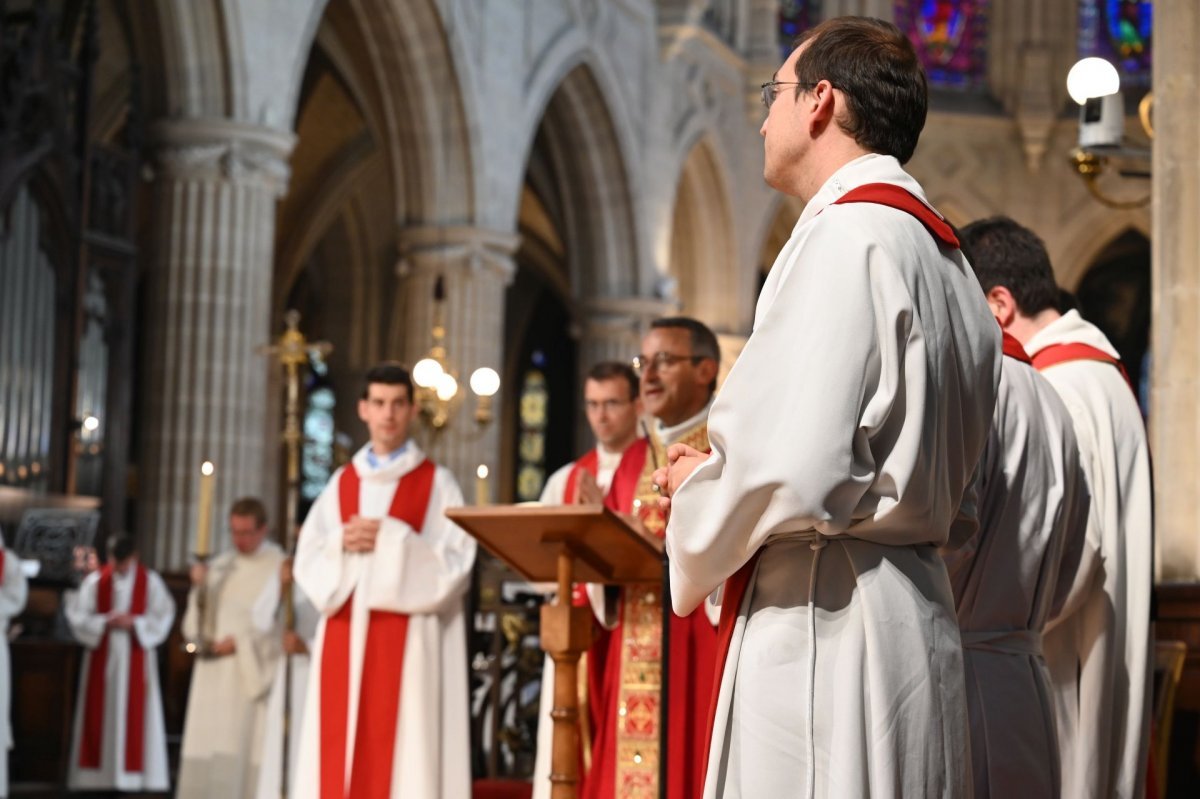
(92, 735)
(1013, 348)
(1, 565)
(624, 486)
(382, 668)
(903, 200)
(588, 463)
(1064, 353)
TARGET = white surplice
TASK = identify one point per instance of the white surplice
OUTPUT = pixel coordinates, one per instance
(269, 617)
(858, 408)
(1010, 575)
(424, 575)
(222, 735)
(1098, 652)
(13, 592)
(151, 629)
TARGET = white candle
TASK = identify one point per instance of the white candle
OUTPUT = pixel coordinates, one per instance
(481, 485)
(204, 512)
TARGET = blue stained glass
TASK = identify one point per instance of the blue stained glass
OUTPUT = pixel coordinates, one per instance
(795, 17)
(950, 37)
(1121, 32)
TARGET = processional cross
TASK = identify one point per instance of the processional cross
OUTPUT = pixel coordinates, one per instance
(292, 351)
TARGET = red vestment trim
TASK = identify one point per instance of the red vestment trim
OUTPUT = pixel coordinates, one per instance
(92, 735)
(1, 565)
(383, 664)
(903, 200)
(1065, 353)
(731, 605)
(588, 463)
(623, 490)
(1013, 348)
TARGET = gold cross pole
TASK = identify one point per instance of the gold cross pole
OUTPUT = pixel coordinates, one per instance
(291, 351)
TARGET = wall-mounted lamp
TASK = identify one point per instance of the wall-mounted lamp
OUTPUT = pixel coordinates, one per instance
(1095, 85)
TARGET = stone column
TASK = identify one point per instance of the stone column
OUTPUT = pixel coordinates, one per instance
(1175, 282)
(209, 308)
(477, 266)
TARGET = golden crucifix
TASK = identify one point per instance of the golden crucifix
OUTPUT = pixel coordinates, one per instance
(292, 351)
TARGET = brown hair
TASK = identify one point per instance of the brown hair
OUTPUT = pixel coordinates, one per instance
(615, 370)
(875, 66)
(250, 506)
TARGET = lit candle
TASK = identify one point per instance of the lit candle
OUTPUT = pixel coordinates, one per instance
(481, 485)
(204, 512)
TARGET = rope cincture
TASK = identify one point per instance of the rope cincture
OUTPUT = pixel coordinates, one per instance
(818, 543)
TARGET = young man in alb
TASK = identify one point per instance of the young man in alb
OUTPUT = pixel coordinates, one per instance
(386, 714)
(610, 400)
(843, 445)
(121, 614)
(1098, 647)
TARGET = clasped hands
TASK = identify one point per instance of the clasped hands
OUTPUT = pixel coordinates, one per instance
(682, 460)
(359, 534)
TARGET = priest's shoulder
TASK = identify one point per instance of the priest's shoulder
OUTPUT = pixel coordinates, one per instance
(863, 224)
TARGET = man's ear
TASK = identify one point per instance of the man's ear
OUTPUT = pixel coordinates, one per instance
(362, 410)
(706, 371)
(1003, 305)
(823, 106)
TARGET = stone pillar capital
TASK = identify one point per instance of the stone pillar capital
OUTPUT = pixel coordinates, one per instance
(222, 149)
(630, 315)
(457, 247)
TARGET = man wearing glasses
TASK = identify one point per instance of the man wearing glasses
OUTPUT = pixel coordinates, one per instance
(843, 446)
(678, 367)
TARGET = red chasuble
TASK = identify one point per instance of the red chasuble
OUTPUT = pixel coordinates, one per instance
(91, 742)
(625, 756)
(382, 668)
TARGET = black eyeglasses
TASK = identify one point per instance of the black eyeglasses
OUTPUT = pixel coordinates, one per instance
(661, 360)
(769, 89)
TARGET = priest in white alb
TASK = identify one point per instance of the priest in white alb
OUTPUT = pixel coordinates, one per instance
(291, 679)
(843, 444)
(121, 615)
(1011, 572)
(13, 592)
(387, 703)
(1098, 646)
(226, 714)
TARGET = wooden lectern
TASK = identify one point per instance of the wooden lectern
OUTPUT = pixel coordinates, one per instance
(567, 544)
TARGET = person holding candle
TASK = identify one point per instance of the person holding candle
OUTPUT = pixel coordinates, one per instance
(121, 614)
(235, 665)
(387, 699)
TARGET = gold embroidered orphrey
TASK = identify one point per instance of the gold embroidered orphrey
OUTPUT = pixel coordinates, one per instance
(640, 687)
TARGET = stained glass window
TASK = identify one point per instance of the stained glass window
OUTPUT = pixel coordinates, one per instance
(531, 467)
(951, 38)
(795, 17)
(1118, 30)
(316, 464)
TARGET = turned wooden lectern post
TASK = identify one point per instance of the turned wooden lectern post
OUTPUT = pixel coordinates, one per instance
(568, 544)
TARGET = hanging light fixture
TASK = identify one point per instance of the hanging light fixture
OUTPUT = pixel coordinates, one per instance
(437, 382)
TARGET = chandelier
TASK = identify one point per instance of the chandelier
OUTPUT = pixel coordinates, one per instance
(437, 389)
